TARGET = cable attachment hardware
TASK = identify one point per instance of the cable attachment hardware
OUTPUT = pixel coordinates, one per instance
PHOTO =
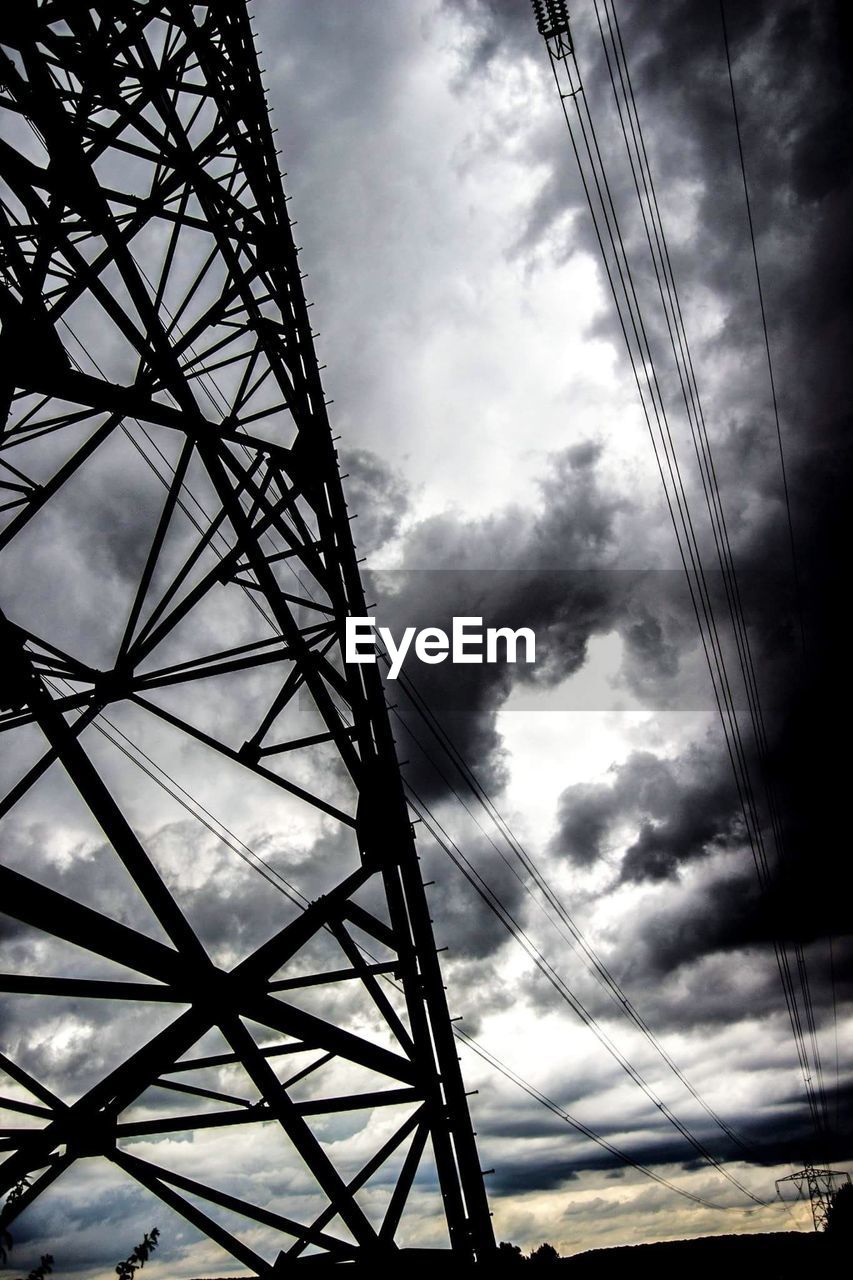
(552, 21)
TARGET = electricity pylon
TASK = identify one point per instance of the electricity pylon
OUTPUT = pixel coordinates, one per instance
(820, 1185)
(181, 558)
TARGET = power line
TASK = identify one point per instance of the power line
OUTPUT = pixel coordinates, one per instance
(760, 290)
(247, 855)
(165, 781)
(715, 510)
(554, 1107)
(519, 935)
(228, 838)
(785, 489)
(590, 1021)
(641, 357)
(206, 376)
(572, 933)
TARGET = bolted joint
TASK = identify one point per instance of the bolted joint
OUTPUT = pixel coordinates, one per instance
(249, 753)
(90, 1135)
(220, 991)
(110, 686)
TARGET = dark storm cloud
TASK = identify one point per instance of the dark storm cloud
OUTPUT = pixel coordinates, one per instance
(791, 71)
(791, 64)
(678, 811)
(82, 1235)
(789, 68)
(473, 934)
(682, 812)
(379, 497)
(576, 531)
(575, 527)
(775, 1138)
(681, 809)
(730, 926)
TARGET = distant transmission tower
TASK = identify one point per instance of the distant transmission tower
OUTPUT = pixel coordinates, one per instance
(821, 1186)
(157, 365)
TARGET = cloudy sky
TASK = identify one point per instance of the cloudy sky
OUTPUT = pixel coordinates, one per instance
(500, 465)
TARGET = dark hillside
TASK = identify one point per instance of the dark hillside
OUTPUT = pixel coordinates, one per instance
(781, 1255)
(771, 1256)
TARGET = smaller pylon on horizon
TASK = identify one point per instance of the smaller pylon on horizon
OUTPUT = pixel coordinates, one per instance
(821, 1184)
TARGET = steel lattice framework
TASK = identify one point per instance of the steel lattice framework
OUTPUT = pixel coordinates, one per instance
(156, 341)
(820, 1185)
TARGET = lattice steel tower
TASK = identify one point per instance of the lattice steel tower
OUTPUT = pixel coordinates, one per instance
(820, 1185)
(177, 554)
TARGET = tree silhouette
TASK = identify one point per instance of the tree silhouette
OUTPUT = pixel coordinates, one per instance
(839, 1217)
(545, 1253)
(5, 1238)
(127, 1270)
(44, 1268)
(510, 1254)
